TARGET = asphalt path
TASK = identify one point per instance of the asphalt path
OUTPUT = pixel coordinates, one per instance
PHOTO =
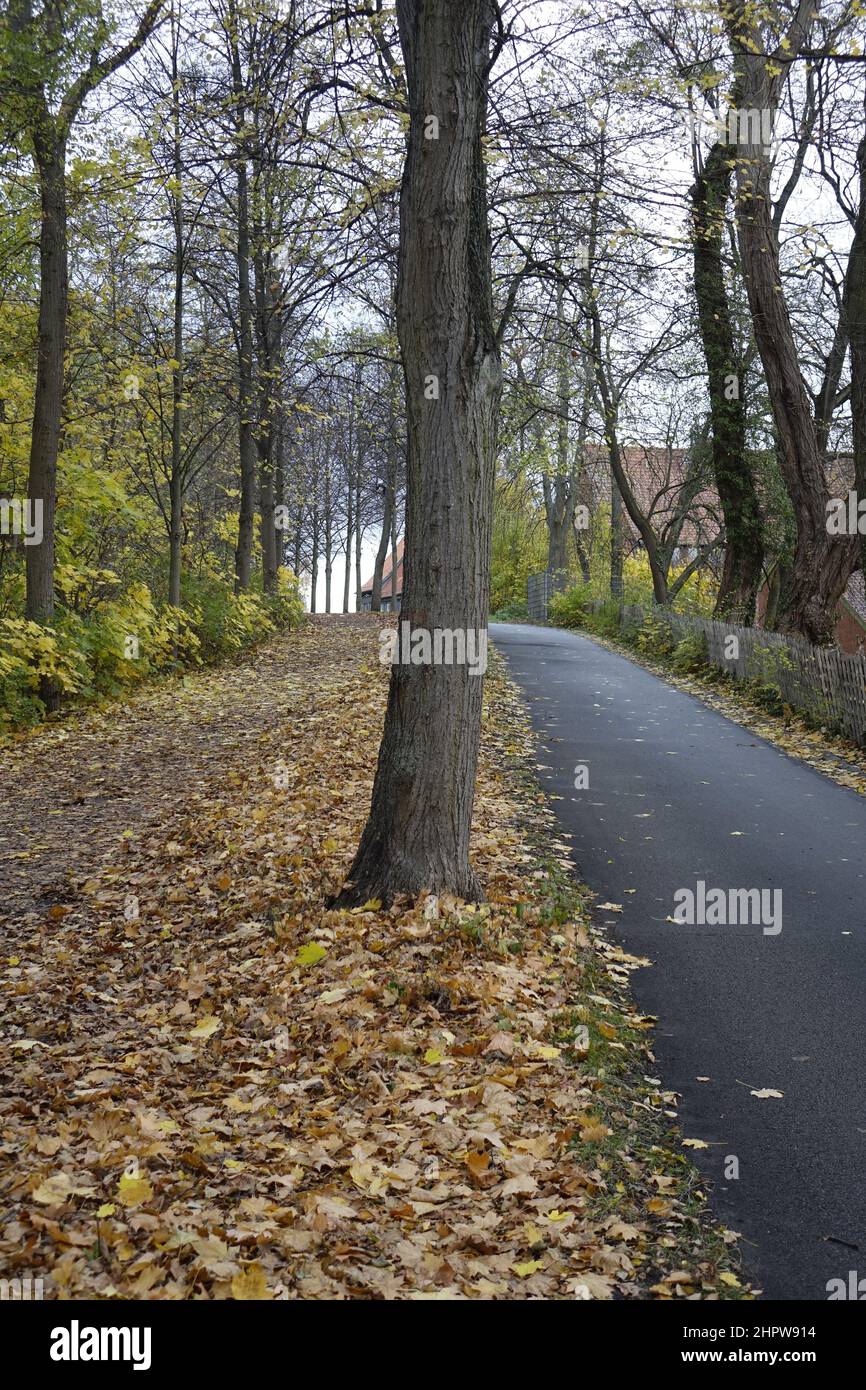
(679, 794)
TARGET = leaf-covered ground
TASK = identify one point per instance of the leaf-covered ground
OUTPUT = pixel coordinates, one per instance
(213, 1087)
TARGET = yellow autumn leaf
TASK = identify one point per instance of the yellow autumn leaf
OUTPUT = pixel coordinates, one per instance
(310, 954)
(731, 1279)
(133, 1190)
(205, 1028)
(530, 1267)
(433, 1055)
(53, 1190)
(250, 1285)
(658, 1204)
(107, 1209)
(695, 1144)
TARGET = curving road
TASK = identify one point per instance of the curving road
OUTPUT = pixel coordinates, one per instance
(677, 794)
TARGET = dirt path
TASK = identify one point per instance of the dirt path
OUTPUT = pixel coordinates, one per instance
(70, 790)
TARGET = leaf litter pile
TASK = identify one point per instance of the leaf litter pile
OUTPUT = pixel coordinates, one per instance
(215, 1087)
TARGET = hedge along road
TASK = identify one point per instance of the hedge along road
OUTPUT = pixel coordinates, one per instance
(676, 794)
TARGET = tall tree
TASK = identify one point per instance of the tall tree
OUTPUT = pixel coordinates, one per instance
(417, 835)
(822, 564)
(741, 572)
(43, 97)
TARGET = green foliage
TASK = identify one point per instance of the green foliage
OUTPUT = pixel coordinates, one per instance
(606, 619)
(690, 654)
(655, 638)
(764, 683)
(518, 549)
(511, 613)
(102, 644)
(30, 654)
(569, 609)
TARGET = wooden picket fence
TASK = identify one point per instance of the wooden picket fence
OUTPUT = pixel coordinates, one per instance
(823, 682)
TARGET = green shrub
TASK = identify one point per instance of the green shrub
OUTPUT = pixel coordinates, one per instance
(511, 613)
(690, 653)
(103, 643)
(763, 683)
(568, 609)
(286, 605)
(605, 621)
(655, 638)
(30, 653)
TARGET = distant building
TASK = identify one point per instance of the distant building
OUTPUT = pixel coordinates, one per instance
(658, 476)
(392, 592)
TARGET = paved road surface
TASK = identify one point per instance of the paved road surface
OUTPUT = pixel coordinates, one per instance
(677, 794)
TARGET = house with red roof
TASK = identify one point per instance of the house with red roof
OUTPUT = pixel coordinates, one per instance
(392, 584)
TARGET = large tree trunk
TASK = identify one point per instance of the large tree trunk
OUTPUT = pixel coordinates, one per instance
(822, 564)
(417, 835)
(268, 341)
(246, 424)
(48, 404)
(176, 481)
(741, 573)
(855, 297)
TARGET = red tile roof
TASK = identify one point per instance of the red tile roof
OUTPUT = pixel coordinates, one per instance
(386, 575)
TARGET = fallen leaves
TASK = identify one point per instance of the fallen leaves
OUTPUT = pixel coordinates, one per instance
(252, 1096)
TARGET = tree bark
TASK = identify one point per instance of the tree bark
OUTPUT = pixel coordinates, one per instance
(417, 835)
(359, 536)
(176, 481)
(741, 572)
(822, 564)
(855, 298)
(559, 492)
(388, 509)
(50, 152)
(246, 426)
(616, 540)
(350, 527)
